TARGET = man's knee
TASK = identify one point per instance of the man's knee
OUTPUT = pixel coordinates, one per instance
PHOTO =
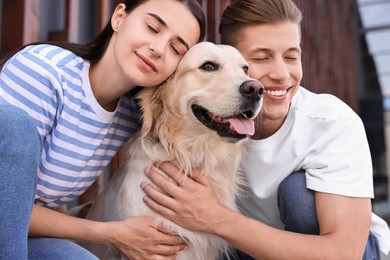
(297, 205)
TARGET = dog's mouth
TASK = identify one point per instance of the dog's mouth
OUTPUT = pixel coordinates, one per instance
(237, 127)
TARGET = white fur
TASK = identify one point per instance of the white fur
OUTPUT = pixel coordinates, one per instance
(171, 132)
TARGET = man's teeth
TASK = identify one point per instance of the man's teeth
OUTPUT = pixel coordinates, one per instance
(276, 92)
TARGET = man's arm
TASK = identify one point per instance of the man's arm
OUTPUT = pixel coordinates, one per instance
(344, 221)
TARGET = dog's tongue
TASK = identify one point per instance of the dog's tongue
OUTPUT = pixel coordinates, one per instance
(242, 125)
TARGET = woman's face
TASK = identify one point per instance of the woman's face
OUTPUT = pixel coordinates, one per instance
(274, 56)
(149, 42)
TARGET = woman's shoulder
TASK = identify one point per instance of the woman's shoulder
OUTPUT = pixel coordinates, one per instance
(50, 53)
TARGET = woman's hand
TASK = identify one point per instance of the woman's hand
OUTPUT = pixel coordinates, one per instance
(189, 201)
(135, 237)
(141, 238)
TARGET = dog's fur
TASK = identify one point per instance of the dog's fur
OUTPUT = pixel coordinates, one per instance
(211, 82)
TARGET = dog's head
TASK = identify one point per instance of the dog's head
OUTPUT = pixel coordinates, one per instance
(210, 93)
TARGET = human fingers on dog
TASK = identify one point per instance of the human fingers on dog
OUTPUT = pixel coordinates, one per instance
(158, 201)
(162, 181)
(143, 238)
(173, 172)
(175, 243)
(164, 229)
(170, 244)
(165, 253)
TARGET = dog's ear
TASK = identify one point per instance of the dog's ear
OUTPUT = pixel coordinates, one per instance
(151, 107)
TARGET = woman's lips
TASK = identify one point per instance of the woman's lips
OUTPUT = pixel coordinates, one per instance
(148, 63)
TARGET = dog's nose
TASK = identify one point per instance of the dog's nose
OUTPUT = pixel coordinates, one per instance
(252, 89)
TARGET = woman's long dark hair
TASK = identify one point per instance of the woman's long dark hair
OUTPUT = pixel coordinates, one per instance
(93, 51)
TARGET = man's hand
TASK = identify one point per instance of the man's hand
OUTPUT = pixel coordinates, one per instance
(186, 200)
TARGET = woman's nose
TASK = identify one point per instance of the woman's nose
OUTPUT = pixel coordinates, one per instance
(156, 49)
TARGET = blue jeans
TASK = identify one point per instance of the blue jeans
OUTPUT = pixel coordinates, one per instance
(298, 213)
(20, 150)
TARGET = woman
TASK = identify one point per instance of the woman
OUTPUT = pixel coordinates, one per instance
(65, 110)
(308, 165)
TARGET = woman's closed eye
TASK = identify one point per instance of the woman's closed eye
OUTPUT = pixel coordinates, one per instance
(174, 48)
(152, 28)
(178, 48)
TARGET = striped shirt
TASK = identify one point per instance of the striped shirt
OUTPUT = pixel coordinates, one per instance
(79, 137)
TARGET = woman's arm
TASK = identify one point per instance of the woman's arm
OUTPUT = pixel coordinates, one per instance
(137, 237)
(344, 221)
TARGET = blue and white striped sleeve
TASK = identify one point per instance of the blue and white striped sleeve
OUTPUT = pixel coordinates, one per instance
(31, 82)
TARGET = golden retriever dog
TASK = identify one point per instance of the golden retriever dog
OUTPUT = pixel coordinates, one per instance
(196, 118)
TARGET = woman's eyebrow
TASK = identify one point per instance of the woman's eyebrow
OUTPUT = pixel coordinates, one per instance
(163, 23)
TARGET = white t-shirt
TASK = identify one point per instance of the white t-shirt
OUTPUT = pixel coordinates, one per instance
(322, 136)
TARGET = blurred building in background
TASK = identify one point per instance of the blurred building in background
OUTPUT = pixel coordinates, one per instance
(346, 52)
(373, 27)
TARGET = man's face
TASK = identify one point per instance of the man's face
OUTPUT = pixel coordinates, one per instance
(274, 56)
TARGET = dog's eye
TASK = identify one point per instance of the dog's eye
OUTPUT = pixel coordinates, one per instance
(209, 66)
(246, 69)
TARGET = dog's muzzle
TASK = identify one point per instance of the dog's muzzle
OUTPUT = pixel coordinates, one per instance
(252, 91)
(239, 126)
